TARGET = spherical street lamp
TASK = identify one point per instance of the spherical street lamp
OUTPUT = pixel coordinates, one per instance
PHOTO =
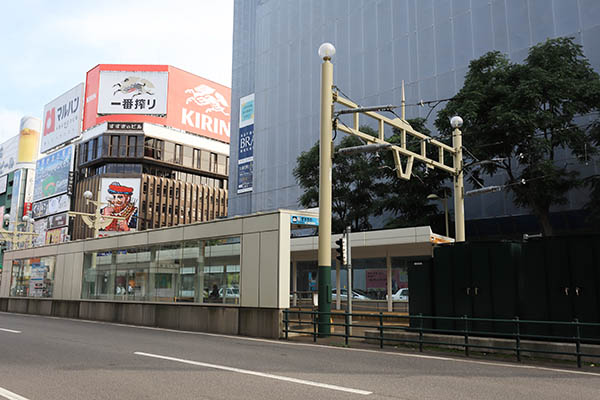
(326, 51)
(87, 195)
(456, 122)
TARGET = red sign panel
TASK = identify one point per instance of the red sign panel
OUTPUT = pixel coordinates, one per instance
(198, 105)
(194, 104)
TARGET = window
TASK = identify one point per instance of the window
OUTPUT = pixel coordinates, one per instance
(169, 152)
(131, 145)
(213, 162)
(178, 158)
(94, 149)
(204, 160)
(33, 277)
(113, 148)
(84, 152)
(188, 159)
(197, 158)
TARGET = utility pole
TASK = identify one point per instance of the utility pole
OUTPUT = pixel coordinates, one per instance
(349, 267)
(326, 51)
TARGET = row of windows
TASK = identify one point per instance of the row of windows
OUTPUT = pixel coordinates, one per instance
(186, 177)
(187, 156)
(116, 168)
(135, 146)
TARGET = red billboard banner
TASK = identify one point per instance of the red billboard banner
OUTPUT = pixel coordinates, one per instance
(27, 207)
(198, 105)
(194, 104)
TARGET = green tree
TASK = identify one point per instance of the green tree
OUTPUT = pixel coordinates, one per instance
(524, 116)
(353, 184)
(407, 201)
(366, 185)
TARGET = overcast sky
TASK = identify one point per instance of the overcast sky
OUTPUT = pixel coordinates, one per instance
(47, 47)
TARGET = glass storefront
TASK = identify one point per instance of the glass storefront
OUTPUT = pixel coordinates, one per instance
(198, 271)
(33, 277)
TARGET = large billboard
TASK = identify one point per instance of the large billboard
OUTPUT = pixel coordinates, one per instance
(137, 93)
(29, 139)
(198, 105)
(3, 184)
(52, 174)
(133, 92)
(9, 151)
(122, 196)
(53, 205)
(62, 119)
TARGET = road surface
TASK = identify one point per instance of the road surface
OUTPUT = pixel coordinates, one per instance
(51, 358)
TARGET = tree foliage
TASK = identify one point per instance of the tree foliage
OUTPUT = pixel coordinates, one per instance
(353, 181)
(406, 201)
(366, 185)
(524, 117)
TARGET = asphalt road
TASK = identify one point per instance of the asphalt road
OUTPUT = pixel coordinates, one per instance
(50, 358)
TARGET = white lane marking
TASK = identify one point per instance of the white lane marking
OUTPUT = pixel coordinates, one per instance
(319, 346)
(10, 395)
(255, 373)
(9, 330)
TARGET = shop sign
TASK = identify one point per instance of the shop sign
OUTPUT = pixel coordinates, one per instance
(62, 119)
(133, 92)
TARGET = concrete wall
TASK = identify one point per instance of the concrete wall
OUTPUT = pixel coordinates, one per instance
(229, 320)
(264, 259)
(264, 279)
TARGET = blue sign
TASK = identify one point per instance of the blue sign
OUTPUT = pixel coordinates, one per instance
(245, 172)
(246, 149)
(301, 220)
(52, 174)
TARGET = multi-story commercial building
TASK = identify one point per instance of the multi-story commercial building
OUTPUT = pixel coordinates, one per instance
(151, 142)
(428, 44)
(182, 177)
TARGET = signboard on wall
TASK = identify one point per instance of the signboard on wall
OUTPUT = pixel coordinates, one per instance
(8, 155)
(59, 235)
(53, 205)
(29, 141)
(133, 92)
(198, 105)
(58, 220)
(62, 119)
(3, 183)
(122, 196)
(52, 174)
(16, 196)
(246, 145)
(40, 227)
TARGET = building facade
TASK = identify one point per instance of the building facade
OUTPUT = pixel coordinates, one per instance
(428, 44)
(151, 142)
(178, 178)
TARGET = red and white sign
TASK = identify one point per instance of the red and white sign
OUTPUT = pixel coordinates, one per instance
(198, 105)
(133, 92)
(193, 104)
(62, 119)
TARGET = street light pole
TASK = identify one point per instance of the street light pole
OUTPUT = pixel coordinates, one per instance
(95, 221)
(16, 237)
(326, 51)
(459, 192)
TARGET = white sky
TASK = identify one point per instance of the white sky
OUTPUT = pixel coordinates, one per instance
(47, 47)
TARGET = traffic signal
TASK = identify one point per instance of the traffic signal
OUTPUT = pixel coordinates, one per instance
(341, 250)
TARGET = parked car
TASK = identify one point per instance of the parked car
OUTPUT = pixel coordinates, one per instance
(400, 295)
(344, 295)
(230, 292)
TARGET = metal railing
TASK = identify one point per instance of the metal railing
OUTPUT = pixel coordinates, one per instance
(384, 328)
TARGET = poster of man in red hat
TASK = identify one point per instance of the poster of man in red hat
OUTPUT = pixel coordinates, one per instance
(122, 197)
